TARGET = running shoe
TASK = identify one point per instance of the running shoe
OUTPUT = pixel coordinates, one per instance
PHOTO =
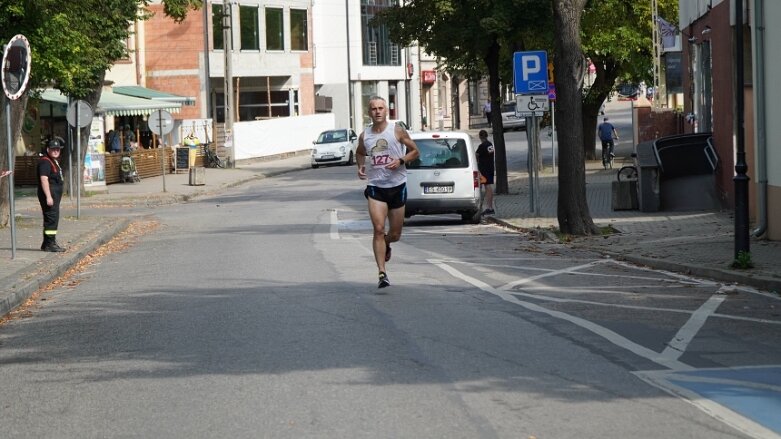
(489, 212)
(384, 281)
(387, 252)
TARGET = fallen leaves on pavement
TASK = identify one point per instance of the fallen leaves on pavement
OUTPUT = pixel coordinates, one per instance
(70, 279)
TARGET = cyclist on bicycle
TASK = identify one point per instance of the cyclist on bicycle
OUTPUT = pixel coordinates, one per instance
(607, 132)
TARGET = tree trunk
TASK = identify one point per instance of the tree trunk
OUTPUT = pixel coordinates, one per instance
(17, 116)
(500, 151)
(572, 209)
(606, 74)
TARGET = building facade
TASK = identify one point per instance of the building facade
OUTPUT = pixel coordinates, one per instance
(271, 58)
(710, 91)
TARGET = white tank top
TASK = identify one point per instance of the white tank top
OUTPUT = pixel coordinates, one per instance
(381, 149)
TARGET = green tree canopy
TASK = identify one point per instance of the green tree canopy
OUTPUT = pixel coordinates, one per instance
(473, 39)
(72, 45)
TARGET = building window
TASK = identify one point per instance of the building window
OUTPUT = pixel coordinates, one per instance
(377, 47)
(254, 105)
(248, 20)
(368, 89)
(298, 30)
(217, 41)
(275, 33)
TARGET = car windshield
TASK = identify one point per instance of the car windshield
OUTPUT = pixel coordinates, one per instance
(332, 136)
(440, 153)
(508, 107)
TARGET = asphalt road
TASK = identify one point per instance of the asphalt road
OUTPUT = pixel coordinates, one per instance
(256, 314)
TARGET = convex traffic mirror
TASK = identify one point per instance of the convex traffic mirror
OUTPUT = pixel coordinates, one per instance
(16, 66)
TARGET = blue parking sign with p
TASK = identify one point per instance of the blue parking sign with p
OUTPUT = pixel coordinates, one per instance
(530, 72)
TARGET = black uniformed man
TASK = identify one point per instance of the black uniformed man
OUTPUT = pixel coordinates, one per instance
(50, 193)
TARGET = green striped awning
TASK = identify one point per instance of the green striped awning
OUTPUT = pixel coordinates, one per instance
(148, 93)
(113, 104)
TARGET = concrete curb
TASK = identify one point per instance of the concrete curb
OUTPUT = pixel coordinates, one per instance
(54, 265)
(756, 281)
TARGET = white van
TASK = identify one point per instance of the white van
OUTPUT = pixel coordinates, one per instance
(444, 179)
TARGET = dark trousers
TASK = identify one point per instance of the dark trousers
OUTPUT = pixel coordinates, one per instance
(51, 214)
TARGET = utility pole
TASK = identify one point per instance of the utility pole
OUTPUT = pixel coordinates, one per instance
(227, 27)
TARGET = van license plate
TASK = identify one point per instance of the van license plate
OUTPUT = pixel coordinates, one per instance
(437, 189)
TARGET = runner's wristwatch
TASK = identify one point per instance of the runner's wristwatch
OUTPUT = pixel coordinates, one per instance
(401, 161)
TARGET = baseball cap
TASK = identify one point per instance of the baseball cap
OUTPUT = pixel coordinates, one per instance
(55, 144)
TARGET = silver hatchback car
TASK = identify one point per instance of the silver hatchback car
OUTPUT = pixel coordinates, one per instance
(444, 179)
(509, 119)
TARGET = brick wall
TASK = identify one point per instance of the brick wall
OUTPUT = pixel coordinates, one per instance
(173, 53)
(654, 124)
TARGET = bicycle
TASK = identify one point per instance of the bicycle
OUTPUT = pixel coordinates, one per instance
(629, 172)
(607, 154)
(210, 158)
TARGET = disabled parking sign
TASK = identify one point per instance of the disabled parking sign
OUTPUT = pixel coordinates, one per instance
(530, 72)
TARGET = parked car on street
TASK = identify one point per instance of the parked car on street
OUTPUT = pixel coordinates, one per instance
(509, 120)
(627, 91)
(334, 147)
(444, 178)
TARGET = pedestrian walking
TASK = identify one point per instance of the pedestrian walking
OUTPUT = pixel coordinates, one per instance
(485, 164)
(381, 156)
(50, 183)
(487, 111)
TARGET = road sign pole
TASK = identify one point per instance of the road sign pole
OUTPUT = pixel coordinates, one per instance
(535, 168)
(70, 158)
(162, 147)
(553, 133)
(80, 177)
(161, 123)
(530, 160)
(12, 209)
(15, 74)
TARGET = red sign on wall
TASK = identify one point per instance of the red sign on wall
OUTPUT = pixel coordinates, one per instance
(429, 76)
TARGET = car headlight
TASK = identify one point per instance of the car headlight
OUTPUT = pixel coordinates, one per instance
(342, 149)
(314, 151)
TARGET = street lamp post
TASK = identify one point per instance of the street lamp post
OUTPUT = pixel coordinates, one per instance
(741, 179)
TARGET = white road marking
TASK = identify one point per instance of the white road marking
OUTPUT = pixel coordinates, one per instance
(514, 284)
(334, 225)
(677, 346)
(607, 334)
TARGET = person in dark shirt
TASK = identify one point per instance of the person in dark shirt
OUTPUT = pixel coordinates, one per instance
(50, 185)
(485, 164)
(607, 132)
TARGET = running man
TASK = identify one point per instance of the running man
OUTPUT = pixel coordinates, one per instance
(384, 145)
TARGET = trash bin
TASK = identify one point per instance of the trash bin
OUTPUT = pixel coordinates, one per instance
(624, 195)
(647, 177)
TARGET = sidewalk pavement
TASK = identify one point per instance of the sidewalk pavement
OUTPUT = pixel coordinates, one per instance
(696, 243)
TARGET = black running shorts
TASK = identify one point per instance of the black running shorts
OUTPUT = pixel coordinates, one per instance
(394, 197)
